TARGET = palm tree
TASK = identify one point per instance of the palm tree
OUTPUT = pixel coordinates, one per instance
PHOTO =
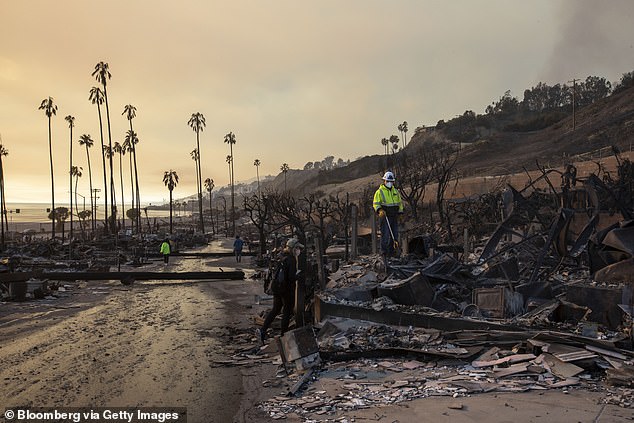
(76, 172)
(50, 110)
(209, 186)
(71, 124)
(97, 97)
(284, 170)
(3, 203)
(118, 148)
(257, 163)
(197, 123)
(230, 139)
(404, 129)
(130, 112)
(102, 75)
(86, 141)
(170, 179)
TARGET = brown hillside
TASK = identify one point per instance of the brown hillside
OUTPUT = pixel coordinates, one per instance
(597, 127)
(603, 124)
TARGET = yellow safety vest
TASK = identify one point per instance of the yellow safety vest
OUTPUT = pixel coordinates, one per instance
(385, 197)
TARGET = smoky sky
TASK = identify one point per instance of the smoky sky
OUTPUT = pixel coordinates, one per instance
(295, 80)
(593, 39)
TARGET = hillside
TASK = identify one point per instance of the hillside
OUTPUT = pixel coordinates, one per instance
(607, 122)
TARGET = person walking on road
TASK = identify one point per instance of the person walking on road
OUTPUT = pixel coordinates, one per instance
(389, 206)
(284, 291)
(166, 250)
(237, 248)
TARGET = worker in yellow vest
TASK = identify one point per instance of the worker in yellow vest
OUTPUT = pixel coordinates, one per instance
(388, 205)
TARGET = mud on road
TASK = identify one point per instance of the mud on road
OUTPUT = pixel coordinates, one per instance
(109, 345)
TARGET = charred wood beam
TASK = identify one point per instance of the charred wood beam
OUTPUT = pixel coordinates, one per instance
(324, 309)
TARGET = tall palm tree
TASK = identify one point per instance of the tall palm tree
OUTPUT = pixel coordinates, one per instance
(195, 155)
(71, 124)
(284, 170)
(130, 138)
(3, 204)
(209, 186)
(97, 97)
(197, 123)
(404, 129)
(130, 112)
(257, 163)
(230, 139)
(118, 148)
(86, 141)
(170, 179)
(50, 110)
(102, 75)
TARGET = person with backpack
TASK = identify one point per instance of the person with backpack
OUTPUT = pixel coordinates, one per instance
(283, 287)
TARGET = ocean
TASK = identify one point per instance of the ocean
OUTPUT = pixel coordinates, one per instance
(38, 212)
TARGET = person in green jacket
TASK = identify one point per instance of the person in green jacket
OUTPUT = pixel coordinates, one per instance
(388, 205)
(166, 250)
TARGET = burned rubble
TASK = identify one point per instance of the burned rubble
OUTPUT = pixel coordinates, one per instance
(543, 302)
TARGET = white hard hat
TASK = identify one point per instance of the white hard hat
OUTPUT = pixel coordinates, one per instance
(389, 176)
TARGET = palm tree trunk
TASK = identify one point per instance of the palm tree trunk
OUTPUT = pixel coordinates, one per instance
(200, 186)
(233, 218)
(197, 185)
(113, 211)
(70, 172)
(122, 194)
(257, 173)
(133, 220)
(105, 183)
(211, 215)
(138, 195)
(136, 180)
(50, 154)
(81, 222)
(92, 209)
(3, 208)
(170, 211)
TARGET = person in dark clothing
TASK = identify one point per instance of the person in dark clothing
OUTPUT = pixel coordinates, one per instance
(237, 248)
(284, 295)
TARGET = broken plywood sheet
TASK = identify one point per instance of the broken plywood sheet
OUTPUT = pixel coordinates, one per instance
(560, 368)
(511, 359)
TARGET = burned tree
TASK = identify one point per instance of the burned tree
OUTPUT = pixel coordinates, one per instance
(414, 173)
(443, 169)
(259, 211)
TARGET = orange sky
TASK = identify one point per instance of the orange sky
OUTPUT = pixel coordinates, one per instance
(296, 81)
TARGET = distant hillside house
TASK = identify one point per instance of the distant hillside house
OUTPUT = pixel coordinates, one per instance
(424, 129)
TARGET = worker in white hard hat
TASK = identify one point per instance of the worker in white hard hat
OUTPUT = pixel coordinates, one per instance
(388, 205)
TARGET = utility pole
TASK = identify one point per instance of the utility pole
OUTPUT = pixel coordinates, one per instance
(574, 95)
